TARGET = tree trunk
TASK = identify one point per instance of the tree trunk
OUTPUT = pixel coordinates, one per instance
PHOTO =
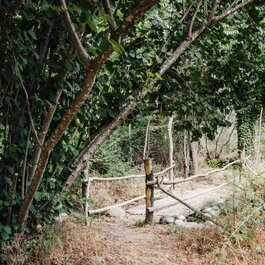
(50, 144)
(194, 155)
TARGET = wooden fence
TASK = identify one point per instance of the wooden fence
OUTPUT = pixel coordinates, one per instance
(154, 181)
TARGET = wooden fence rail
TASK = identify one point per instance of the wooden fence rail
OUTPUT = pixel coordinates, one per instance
(170, 182)
(102, 210)
(158, 183)
(132, 176)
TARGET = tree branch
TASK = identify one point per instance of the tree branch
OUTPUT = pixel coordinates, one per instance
(76, 42)
(93, 146)
(108, 11)
(193, 18)
(120, 32)
(186, 13)
(232, 10)
(214, 8)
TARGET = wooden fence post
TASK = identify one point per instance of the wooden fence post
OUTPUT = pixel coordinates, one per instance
(85, 192)
(149, 190)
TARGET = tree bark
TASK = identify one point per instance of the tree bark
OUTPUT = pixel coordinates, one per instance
(51, 142)
(194, 155)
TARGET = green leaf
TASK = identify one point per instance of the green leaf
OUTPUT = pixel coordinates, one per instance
(8, 180)
(110, 20)
(117, 47)
(7, 230)
(84, 17)
(32, 34)
(151, 74)
(93, 51)
(92, 25)
(44, 5)
(84, 5)
(38, 196)
(119, 14)
(11, 170)
(158, 76)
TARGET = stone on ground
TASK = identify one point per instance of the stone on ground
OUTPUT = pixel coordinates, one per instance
(116, 211)
(188, 225)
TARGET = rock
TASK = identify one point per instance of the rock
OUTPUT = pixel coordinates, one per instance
(209, 223)
(166, 220)
(62, 217)
(181, 217)
(211, 212)
(100, 260)
(38, 228)
(179, 222)
(188, 225)
(116, 211)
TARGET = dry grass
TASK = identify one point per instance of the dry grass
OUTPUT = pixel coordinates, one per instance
(108, 193)
(119, 244)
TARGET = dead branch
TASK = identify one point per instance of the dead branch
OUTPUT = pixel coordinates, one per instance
(200, 213)
(205, 8)
(169, 204)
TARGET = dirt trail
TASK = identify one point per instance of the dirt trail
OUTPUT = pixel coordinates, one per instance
(141, 245)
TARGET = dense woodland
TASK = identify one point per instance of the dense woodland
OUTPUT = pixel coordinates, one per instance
(75, 73)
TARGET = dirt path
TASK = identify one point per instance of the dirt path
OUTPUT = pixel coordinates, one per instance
(143, 245)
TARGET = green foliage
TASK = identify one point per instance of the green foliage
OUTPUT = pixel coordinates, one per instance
(36, 57)
(139, 223)
(25, 250)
